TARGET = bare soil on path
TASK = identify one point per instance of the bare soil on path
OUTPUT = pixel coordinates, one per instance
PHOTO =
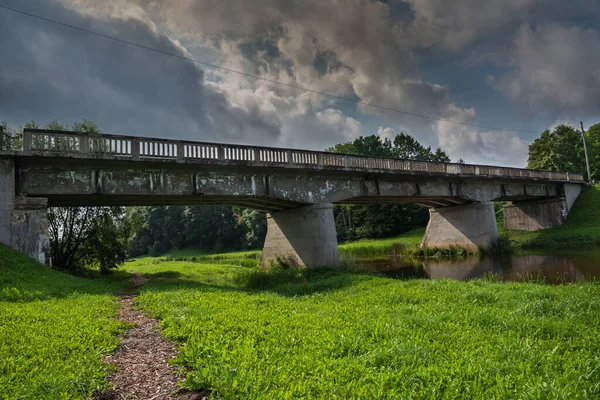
(142, 359)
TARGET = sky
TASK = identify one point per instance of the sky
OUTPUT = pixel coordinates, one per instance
(513, 68)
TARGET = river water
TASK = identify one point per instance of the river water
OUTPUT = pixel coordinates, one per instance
(553, 269)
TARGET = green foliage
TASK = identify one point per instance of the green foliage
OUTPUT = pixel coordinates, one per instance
(403, 146)
(327, 334)
(502, 247)
(87, 237)
(104, 246)
(592, 136)
(55, 330)
(206, 228)
(558, 150)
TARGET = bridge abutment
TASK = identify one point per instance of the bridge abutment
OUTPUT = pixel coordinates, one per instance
(470, 226)
(304, 233)
(30, 228)
(535, 215)
(23, 220)
(541, 214)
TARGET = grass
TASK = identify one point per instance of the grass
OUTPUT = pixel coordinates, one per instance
(377, 248)
(580, 232)
(329, 334)
(55, 330)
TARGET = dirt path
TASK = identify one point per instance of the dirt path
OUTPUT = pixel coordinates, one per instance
(142, 359)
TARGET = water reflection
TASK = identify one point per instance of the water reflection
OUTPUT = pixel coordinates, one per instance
(552, 269)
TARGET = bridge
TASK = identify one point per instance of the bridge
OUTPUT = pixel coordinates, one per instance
(296, 187)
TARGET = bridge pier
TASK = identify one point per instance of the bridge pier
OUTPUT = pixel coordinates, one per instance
(23, 220)
(306, 233)
(470, 226)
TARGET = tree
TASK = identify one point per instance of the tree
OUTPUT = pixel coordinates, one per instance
(403, 146)
(255, 224)
(592, 137)
(558, 150)
(83, 237)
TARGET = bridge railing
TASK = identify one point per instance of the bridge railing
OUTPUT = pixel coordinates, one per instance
(140, 148)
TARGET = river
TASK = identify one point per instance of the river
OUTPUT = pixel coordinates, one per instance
(554, 269)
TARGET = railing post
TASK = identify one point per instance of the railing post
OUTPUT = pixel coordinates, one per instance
(288, 154)
(84, 144)
(26, 140)
(180, 151)
(135, 149)
(346, 161)
(220, 152)
(256, 153)
(410, 166)
(568, 177)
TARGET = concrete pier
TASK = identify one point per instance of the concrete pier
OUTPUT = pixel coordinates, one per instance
(23, 220)
(305, 233)
(470, 226)
(30, 228)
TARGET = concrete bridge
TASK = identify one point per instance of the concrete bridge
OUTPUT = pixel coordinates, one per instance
(296, 187)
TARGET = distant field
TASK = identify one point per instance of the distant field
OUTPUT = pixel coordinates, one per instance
(55, 330)
(326, 334)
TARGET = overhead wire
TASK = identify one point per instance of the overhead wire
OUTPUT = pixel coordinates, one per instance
(273, 81)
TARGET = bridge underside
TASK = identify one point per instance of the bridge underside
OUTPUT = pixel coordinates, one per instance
(301, 220)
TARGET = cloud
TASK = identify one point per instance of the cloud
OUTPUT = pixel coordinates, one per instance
(69, 75)
(481, 147)
(454, 24)
(554, 67)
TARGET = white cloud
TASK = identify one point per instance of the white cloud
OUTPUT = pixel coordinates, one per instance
(555, 67)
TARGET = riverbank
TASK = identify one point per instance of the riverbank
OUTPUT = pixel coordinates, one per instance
(243, 333)
(331, 334)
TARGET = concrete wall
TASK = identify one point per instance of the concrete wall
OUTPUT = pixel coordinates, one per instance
(535, 215)
(305, 233)
(468, 226)
(572, 192)
(7, 199)
(30, 228)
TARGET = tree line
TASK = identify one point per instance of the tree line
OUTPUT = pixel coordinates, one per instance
(104, 237)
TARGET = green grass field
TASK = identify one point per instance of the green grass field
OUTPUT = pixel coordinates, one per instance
(55, 330)
(326, 334)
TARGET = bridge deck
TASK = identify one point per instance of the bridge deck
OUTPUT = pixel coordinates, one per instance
(46, 143)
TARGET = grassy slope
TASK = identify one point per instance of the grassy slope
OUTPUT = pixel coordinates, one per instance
(339, 335)
(581, 231)
(55, 330)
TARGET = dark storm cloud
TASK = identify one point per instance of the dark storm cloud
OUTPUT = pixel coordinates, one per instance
(51, 72)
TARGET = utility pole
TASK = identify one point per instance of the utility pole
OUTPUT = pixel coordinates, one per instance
(587, 160)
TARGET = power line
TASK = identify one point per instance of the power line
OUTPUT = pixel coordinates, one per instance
(305, 89)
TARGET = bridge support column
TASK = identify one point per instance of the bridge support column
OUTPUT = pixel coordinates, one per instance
(30, 228)
(470, 226)
(305, 233)
(23, 220)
